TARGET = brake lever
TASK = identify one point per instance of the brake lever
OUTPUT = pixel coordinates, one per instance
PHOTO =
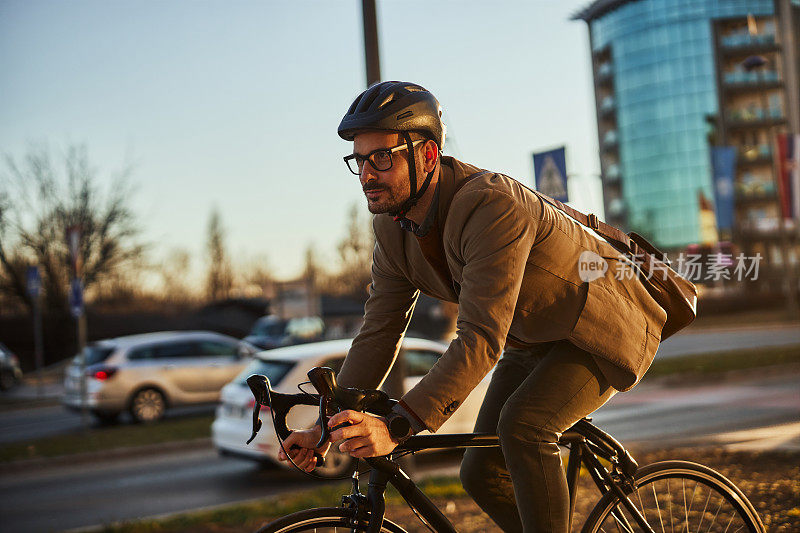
(256, 422)
(323, 421)
(259, 386)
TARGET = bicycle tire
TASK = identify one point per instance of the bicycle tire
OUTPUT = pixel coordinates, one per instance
(330, 519)
(704, 498)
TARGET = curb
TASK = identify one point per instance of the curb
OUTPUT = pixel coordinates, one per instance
(43, 463)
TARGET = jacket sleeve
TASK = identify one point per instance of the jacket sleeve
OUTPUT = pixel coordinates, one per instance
(386, 316)
(492, 235)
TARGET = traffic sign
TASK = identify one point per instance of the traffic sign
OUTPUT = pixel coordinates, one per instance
(34, 282)
(76, 298)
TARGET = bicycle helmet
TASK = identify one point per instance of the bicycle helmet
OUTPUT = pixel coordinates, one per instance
(402, 107)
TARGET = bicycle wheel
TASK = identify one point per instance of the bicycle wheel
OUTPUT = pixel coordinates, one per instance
(677, 496)
(323, 519)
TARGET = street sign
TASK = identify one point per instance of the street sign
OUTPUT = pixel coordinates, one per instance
(76, 298)
(34, 282)
(550, 173)
(74, 244)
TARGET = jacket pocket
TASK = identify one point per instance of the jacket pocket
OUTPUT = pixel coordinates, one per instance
(613, 328)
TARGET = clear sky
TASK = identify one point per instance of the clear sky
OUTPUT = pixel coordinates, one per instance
(235, 104)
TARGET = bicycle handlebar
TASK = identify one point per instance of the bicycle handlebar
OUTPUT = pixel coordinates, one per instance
(330, 397)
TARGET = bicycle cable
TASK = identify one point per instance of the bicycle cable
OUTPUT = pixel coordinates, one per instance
(289, 457)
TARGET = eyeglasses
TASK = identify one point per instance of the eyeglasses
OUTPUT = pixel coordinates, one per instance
(380, 159)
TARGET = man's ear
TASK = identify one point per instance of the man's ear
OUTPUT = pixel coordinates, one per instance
(430, 155)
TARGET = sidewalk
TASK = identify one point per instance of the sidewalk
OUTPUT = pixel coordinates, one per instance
(30, 394)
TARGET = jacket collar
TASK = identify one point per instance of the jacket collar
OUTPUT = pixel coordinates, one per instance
(453, 172)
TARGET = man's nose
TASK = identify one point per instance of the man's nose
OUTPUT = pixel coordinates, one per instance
(367, 174)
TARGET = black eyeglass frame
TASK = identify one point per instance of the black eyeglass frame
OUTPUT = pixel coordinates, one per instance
(369, 157)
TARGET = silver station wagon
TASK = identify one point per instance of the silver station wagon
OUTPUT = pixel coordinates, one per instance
(145, 374)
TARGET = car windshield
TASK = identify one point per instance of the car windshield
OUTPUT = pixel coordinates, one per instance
(97, 354)
(274, 369)
(269, 329)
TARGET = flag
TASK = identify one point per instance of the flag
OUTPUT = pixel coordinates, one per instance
(550, 171)
(788, 155)
(708, 226)
(723, 167)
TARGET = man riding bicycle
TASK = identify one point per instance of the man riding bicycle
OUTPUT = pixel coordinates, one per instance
(562, 343)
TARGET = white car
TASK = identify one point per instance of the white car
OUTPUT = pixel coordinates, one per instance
(286, 368)
(145, 374)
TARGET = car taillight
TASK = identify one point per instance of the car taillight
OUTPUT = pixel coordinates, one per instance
(101, 374)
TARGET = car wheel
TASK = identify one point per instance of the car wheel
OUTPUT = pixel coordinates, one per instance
(148, 405)
(337, 464)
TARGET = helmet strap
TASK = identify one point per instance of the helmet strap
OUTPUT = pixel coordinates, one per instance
(415, 194)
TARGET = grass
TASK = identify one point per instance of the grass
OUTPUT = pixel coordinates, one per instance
(105, 438)
(768, 478)
(250, 515)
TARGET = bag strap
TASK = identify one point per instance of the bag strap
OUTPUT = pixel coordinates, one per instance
(431, 244)
(632, 243)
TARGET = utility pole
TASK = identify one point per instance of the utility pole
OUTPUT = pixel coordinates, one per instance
(74, 236)
(34, 291)
(371, 50)
(394, 385)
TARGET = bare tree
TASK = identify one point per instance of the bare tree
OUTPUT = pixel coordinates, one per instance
(39, 201)
(355, 256)
(220, 276)
(175, 270)
(254, 277)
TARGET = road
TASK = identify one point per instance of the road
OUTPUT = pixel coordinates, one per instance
(41, 422)
(724, 339)
(751, 411)
(19, 425)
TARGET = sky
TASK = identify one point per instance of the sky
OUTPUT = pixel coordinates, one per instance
(233, 105)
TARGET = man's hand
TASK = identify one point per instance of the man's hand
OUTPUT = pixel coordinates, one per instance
(304, 456)
(367, 435)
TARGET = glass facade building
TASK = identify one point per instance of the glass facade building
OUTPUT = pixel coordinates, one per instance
(656, 90)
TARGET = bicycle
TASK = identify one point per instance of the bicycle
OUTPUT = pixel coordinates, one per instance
(660, 497)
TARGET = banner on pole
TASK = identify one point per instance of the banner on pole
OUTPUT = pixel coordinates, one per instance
(723, 167)
(550, 171)
(789, 174)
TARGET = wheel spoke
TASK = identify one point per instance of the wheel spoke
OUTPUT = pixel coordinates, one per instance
(658, 508)
(694, 497)
(703, 514)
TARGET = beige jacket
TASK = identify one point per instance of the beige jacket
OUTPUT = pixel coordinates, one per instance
(514, 264)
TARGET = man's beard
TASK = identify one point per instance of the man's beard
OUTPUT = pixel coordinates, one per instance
(388, 203)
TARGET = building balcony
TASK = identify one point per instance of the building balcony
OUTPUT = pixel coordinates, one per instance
(737, 82)
(741, 39)
(605, 73)
(761, 195)
(754, 155)
(758, 230)
(744, 43)
(607, 106)
(755, 117)
(612, 174)
(616, 208)
(610, 140)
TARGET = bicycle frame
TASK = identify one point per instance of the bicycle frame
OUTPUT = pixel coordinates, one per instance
(585, 441)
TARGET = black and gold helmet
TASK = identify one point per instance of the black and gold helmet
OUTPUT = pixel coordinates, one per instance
(395, 106)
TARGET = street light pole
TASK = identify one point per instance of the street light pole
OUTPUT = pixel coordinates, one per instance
(371, 50)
